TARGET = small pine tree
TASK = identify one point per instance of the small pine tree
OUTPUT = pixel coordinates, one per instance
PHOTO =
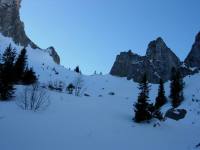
(77, 69)
(176, 88)
(6, 74)
(160, 99)
(142, 107)
(9, 55)
(70, 88)
(29, 76)
(20, 65)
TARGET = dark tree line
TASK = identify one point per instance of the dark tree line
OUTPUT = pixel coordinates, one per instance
(145, 111)
(14, 70)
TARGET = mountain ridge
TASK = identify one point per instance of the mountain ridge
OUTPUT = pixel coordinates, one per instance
(156, 63)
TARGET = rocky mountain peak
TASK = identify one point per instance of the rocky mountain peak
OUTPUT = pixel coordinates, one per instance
(157, 63)
(193, 58)
(155, 44)
(157, 49)
(198, 38)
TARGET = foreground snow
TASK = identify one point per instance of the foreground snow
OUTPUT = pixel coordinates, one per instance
(100, 123)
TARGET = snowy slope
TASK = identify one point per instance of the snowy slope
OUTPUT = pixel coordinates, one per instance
(94, 123)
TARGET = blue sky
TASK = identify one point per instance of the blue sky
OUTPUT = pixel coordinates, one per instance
(90, 33)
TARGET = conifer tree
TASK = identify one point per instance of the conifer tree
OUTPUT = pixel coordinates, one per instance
(176, 88)
(6, 74)
(77, 69)
(29, 76)
(160, 99)
(20, 65)
(142, 107)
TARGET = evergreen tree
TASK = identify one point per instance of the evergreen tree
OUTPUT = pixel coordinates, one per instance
(160, 99)
(20, 65)
(8, 59)
(6, 74)
(176, 88)
(77, 69)
(29, 76)
(142, 108)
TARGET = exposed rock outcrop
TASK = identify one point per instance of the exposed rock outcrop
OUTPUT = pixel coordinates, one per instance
(12, 26)
(162, 59)
(54, 54)
(176, 114)
(193, 59)
(157, 63)
(10, 23)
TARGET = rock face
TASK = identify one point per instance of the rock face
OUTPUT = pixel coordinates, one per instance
(12, 26)
(193, 59)
(176, 114)
(10, 23)
(157, 63)
(54, 54)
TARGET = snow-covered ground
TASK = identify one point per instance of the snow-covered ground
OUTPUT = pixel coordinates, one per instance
(99, 122)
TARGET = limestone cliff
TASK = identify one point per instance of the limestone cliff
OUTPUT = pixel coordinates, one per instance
(12, 26)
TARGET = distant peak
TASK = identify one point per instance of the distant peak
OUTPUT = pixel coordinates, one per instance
(158, 50)
(160, 40)
(157, 44)
(192, 60)
(197, 39)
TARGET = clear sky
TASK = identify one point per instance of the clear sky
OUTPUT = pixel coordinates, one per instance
(90, 33)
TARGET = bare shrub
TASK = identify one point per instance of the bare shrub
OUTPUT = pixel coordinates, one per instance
(79, 88)
(34, 98)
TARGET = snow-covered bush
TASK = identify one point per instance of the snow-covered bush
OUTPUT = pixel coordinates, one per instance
(70, 88)
(33, 98)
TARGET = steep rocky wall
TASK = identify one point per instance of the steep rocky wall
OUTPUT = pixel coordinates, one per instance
(12, 26)
(157, 63)
(10, 23)
(193, 58)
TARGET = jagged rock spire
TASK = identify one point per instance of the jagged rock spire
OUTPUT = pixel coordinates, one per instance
(193, 58)
(157, 63)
